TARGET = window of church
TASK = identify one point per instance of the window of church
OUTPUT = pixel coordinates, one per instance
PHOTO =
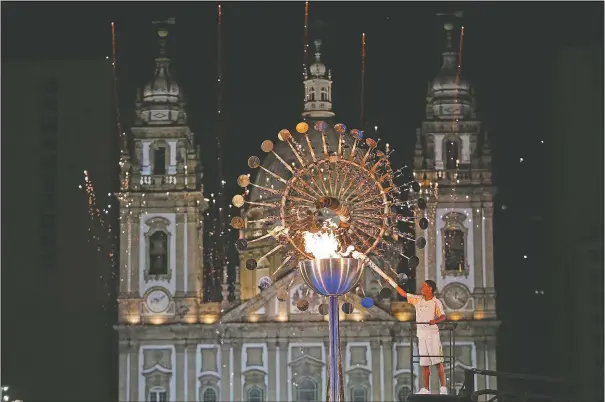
(359, 394)
(454, 250)
(323, 94)
(451, 154)
(158, 253)
(404, 392)
(157, 394)
(255, 394)
(159, 164)
(311, 94)
(209, 395)
(307, 390)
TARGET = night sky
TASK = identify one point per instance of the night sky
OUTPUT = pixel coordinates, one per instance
(508, 53)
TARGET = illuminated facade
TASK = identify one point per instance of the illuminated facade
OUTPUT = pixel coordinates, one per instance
(258, 348)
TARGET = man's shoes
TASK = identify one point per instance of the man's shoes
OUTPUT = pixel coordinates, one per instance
(443, 391)
(423, 391)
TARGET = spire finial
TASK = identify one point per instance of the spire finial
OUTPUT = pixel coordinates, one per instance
(317, 44)
(163, 33)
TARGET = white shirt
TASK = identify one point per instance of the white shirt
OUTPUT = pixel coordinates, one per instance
(426, 310)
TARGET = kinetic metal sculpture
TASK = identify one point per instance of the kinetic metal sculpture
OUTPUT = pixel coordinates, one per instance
(339, 211)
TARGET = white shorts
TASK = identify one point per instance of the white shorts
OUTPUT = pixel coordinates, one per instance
(430, 345)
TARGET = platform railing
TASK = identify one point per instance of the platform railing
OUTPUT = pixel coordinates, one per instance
(468, 392)
(449, 326)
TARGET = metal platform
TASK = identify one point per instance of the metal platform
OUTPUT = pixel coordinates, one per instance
(433, 398)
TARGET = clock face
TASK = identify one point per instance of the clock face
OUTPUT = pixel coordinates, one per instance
(455, 297)
(157, 301)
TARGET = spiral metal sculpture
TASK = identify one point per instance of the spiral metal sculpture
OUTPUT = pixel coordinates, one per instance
(339, 210)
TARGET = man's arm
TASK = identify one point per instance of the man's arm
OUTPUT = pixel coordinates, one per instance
(439, 313)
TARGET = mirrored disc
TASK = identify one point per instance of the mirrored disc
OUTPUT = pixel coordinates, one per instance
(241, 245)
(415, 186)
(420, 242)
(323, 309)
(421, 203)
(347, 308)
(367, 302)
(302, 305)
(423, 223)
(251, 264)
(385, 293)
(413, 262)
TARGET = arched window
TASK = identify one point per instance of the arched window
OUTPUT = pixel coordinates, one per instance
(451, 154)
(402, 395)
(307, 390)
(359, 394)
(158, 253)
(323, 93)
(159, 160)
(311, 97)
(454, 249)
(255, 394)
(157, 394)
(209, 395)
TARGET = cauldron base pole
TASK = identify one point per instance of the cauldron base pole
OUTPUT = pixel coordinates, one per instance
(334, 358)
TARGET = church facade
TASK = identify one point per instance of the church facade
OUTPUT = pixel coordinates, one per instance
(175, 347)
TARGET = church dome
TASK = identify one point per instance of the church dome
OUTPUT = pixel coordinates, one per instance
(162, 88)
(450, 91)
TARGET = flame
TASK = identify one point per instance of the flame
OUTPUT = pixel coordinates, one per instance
(321, 245)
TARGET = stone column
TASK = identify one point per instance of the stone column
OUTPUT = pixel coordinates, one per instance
(387, 352)
(192, 381)
(477, 245)
(438, 143)
(134, 373)
(192, 265)
(430, 250)
(490, 298)
(179, 274)
(480, 364)
(124, 251)
(491, 361)
(137, 243)
(272, 374)
(124, 351)
(237, 372)
(282, 348)
(376, 370)
(225, 371)
(179, 371)
(466, 149)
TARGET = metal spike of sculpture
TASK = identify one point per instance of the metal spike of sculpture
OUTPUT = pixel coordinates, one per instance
(338, 213)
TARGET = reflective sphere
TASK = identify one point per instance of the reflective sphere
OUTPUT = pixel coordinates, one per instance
(423, 223)
(323, 309)
(302, 304)
(385, 293)
(251, 264)
(241, 244)
(331, 276)
(282, 295)
(367, 302)
(347, 308)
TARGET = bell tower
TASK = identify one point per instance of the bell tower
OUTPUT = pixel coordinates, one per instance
(161, 205)
(453, 162)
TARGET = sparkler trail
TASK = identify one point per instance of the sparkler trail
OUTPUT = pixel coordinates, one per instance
(363, 74)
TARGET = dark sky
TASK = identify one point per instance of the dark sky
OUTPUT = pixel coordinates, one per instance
(508, 53)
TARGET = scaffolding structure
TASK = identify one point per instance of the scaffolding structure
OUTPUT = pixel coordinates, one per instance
(448, 326)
